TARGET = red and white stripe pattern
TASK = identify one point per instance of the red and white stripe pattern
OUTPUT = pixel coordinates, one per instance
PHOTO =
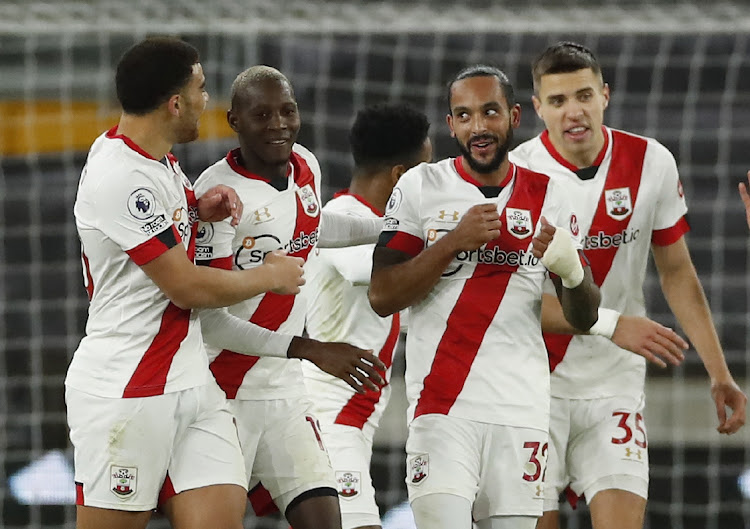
(272, 220)
(474, 348)
(617, 244)
(339, 311)
(137, 342)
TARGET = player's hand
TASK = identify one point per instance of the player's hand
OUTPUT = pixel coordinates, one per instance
(479, 225)
(728, 394)
(359, 368)
(745, 196)
(286, 272)
(542, 240)
(649, 339)
(218, 203)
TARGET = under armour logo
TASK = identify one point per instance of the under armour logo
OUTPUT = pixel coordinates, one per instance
(261, 214)
(539, 490)
(443, 214)
(629, 452)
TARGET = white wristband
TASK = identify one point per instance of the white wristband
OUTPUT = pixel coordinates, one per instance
(606, 323)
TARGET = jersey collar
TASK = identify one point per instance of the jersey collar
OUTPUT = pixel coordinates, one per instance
(361, 199)
(565, 163)
(458, 164)
(112, 135)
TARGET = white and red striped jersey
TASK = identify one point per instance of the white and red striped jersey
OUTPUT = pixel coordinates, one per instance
(339, 311)
(474, 348)
(131, 208)
(271, 220)
(634, 200)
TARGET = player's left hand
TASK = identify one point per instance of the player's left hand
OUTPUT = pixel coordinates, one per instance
(218, 203)
(727, 394)
(359, 368)
(543, 239)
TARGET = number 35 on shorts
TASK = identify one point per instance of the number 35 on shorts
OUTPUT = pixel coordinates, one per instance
(630, 432)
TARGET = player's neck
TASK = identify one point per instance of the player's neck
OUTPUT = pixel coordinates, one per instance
(374, 188)
(585, 157)
(257, 166)
(495, 178)
(147, 132)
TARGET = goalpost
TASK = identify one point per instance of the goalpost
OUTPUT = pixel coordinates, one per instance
(679, 71)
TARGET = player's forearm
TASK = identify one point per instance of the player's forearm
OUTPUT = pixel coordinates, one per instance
(688, 302)
(553, 319)
(338, 230)
(580, 304)
(226, 331)
(394, 287)
(212, 287)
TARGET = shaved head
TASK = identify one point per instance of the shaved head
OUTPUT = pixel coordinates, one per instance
(256, 75)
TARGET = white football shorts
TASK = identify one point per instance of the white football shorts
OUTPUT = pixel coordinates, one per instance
(595, 445)
(283, 448)
(125, 448)
(351, 453)
(497, 468)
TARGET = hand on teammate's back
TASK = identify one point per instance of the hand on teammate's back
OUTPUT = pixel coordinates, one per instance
(359, 368)
(286, 272)
(479, 225)
(218, 203)
(649, 339)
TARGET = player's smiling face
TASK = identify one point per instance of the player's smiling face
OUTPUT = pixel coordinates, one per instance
(481, 122)
(572, 108)
(267, 121)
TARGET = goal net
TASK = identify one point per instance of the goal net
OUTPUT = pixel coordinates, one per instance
(679, 72)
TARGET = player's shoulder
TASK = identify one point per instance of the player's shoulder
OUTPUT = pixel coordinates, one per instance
(653, 146)
(526, 151)
(533, 180)
(113, 167)
(217, 173)
(348, 204)
(306, 154)
(429, 173)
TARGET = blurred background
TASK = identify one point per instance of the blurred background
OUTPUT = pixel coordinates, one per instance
(678, 71)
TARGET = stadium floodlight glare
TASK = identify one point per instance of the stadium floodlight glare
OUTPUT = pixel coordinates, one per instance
(46, 481)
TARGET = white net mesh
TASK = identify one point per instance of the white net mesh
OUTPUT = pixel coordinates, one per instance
(679, 72)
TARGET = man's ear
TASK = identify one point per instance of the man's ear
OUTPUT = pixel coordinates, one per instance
(173, 105)
(232, 120)
(396, 172)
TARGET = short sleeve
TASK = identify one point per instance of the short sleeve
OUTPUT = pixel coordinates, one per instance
(134, 213)
(669, 222)
(559, 211)
(402, 226)
(213, 244)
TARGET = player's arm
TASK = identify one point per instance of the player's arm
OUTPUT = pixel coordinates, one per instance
(400, 280)
(578, 294)
(338, 230)
(357, 367)
(637, 334)
(685, 296)
(745, 196)
(189, 286)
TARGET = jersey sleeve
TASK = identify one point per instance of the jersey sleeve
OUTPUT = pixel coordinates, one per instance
(559, 211)
(402, 226)
(133, 213)
(669, 223)
(213, 244)
(354, 264)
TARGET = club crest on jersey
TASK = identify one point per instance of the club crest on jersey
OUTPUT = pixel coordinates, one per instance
(123, 480)
(574, 229)
(309, 200)
(348, 483)
(518, 222)
(394, 201)
(618, 202)
(419, 468)
(142, 204)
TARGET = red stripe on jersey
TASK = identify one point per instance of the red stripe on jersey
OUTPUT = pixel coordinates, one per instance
(458, 165)
(625, 170)
(477, 305)
(230, 368)
(407, 243)
(79, 493)
(150, 377)
(147, 251)
(89, 280)
(113, 135)
(360, 407)
(671, 235)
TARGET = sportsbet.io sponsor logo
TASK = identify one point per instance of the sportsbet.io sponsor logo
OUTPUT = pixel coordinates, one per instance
(255, 249)
(498, 256)
(602, 241)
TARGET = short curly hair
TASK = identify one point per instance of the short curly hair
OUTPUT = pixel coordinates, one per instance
(152, 71)
(387, 135)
